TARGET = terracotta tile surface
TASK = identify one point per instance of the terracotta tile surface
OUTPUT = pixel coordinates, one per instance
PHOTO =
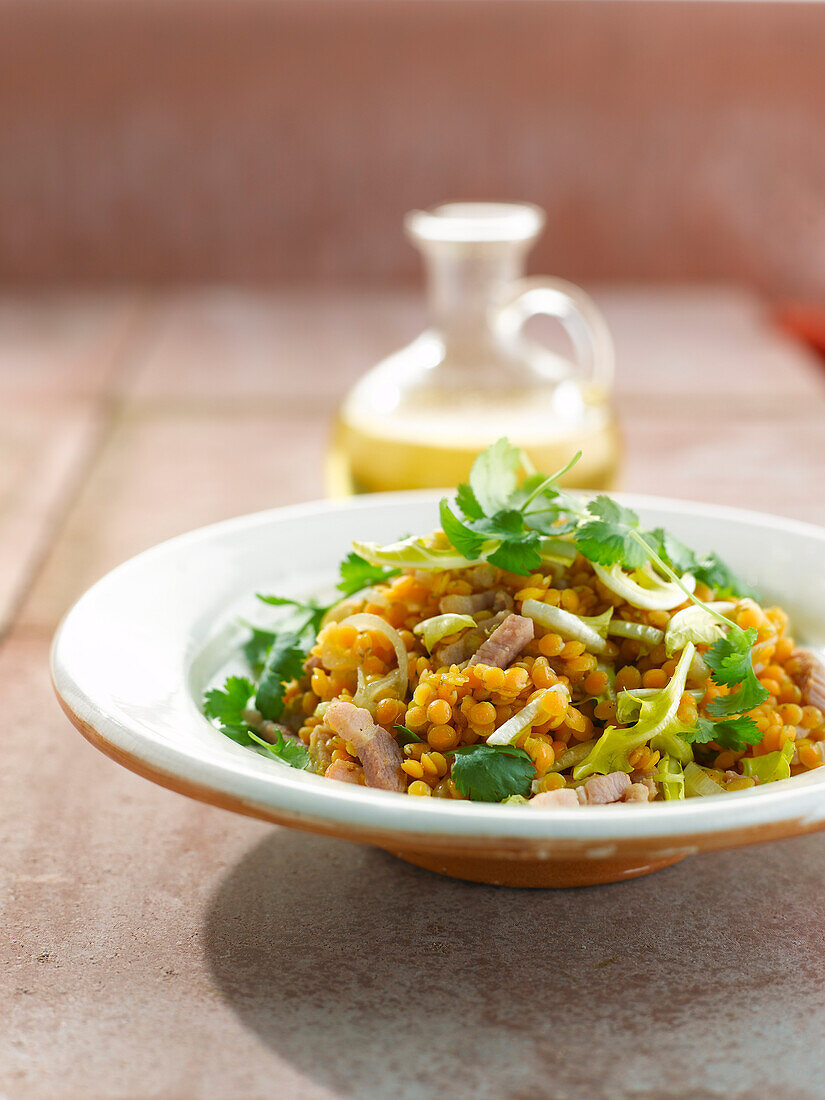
(229, 345)
(61, 357)
(159, 948)
(165, 471)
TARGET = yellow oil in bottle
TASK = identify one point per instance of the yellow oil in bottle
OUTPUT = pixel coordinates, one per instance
(369, 454)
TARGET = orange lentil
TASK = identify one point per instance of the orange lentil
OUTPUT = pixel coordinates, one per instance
(443, 737)
(595, 683)
(570, 600)
(809, 756)
(791, 714)
(482, 714)
(725, 760)
(416, 717)
(542, 675)
(628, 678)
(811, 718)
(515, 680)
(551, 645)
(572, 649)
(493, 678)
(605, 712)
(584, 664)
(419, 787)
(388, 711)
(552, 782)
(654, 678)
(575, 720)
(439, 712)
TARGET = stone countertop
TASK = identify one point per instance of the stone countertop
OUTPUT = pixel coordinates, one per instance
(156, 947)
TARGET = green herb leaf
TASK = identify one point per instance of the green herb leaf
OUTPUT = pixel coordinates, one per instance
(405, 736)
(713, 572)
(493, 478)
(606, 538)
(731, 662)
(735, 733)
(466, 500)
(257, 647)
(676, 554)
(518, 556)
(284, 663)
(228, 705)
(357, 573)
(284, 748)
(466, 541)
(491, 773)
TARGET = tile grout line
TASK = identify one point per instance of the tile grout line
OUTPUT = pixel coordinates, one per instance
(126, 355)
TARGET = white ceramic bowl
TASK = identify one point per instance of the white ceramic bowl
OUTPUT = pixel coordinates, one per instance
(132, 658)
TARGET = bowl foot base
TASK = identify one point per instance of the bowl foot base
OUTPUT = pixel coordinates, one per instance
(533, 873)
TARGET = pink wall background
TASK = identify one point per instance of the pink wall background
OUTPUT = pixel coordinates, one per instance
(184, 140)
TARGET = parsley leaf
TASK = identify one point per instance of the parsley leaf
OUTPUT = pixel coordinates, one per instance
(256, 648)
(284, 663)
(227, 706)
(284, 748)
(491, 773)
(493, 478)
(357, 573)
(607, 539)
(405, 736)
(518, 556)
(465, 540)
(713, 572)
(465, 498)
(735, 733)
(731, 663)
(675, 553)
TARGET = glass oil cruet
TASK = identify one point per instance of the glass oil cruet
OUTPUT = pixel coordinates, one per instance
(418, 418)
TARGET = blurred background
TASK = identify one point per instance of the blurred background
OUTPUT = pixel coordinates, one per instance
(201, 244)
(158, 142)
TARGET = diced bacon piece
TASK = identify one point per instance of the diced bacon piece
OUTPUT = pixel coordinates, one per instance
(455, 653)
(344, 770)
(647, 779)
(602, 789)
(563, 799)
(811, 679)
(636, 792)
(466, 605)
(505, 643)
(496, 599)
(378, 752)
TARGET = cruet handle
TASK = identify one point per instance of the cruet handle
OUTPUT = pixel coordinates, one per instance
(574, 310)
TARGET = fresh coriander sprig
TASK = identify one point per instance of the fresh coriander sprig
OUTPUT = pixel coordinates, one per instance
(730, 658)
(732, 733)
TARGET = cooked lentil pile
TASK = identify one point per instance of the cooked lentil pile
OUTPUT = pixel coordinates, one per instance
(537, 649)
